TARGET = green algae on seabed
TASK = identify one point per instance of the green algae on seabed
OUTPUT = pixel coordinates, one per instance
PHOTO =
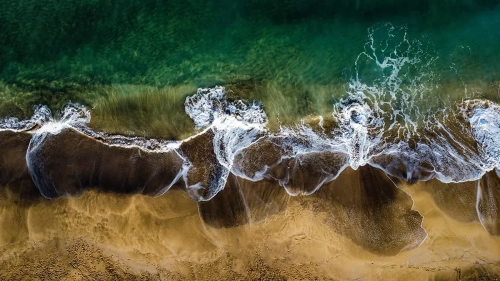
(178, 42)
(297, 56)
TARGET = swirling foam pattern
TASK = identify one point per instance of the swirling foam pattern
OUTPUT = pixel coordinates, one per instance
(379, 125)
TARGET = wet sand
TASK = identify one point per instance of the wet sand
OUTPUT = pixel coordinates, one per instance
(109, 236)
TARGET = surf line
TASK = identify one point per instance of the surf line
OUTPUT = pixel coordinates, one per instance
(232, 137)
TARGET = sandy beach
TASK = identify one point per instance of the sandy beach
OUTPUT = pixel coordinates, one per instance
(107, 236)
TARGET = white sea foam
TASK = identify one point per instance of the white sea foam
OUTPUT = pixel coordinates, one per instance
(235, 126)
(357, 140)
(484, 118)
(41, 116)
(393, 107)
(73, 115)
(387, 120)
(380, 122)
(379, 107)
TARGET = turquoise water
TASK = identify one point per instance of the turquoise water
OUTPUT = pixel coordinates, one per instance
(207, 43)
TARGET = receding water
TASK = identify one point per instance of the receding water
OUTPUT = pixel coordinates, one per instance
(412, 92)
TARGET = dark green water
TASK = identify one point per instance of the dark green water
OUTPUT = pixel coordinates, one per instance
(54, 47)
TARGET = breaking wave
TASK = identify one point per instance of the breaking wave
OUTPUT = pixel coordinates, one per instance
(384, 121)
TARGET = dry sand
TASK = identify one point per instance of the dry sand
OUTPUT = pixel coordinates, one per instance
(107, 236)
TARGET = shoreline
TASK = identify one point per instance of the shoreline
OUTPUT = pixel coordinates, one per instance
(230, 212)
(105, 235)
